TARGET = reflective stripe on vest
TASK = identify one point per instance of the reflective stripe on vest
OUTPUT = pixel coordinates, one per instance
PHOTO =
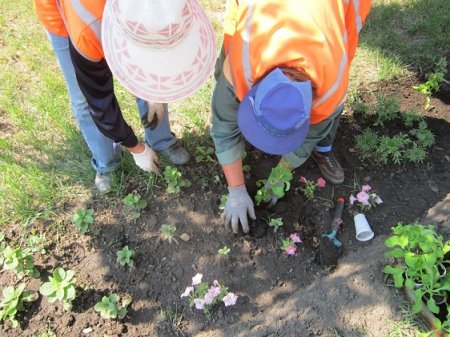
(358, 16)
(246, 47)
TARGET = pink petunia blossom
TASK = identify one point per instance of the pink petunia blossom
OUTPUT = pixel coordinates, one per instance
(214, 291)
(321, 182)
(363, 198)
(352, 199)
(365, 188)
(197, 279)
(230, 299)
(208, 298)
(199, 303)
(303, 180)
(187, 292)
(294, 237)
(290, 250)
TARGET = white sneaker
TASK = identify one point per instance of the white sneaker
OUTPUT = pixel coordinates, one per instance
(103, 182)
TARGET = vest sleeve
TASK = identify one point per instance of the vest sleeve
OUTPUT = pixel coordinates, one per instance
(96, 82)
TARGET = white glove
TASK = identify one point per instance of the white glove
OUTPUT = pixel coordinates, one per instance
(238, 205)
(154, 115)
(147, 160)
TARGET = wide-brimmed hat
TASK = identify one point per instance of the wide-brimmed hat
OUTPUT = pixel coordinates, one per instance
(161, 51)
(274, 115)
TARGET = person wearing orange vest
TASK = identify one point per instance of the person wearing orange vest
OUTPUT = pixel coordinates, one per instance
(281, 83)
(88, 34)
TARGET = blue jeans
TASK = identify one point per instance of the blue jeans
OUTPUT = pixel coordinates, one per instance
(105, 153)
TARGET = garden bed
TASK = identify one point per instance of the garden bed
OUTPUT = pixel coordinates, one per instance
(256, 269)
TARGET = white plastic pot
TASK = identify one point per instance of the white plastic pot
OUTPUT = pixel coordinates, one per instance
(362, 228)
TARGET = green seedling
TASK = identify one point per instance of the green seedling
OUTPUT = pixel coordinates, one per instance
(224, 250)
(204, 154)
(83, 220)
(246, 168)
(433, 82)
(223, 201)
(109, 308)
(36, 243)
(392, 148)
(174, 180)
(367, 143)
(276, 185)
(275, 223)
(13, 301)
(125, 257)
(60, 287)
(411, 117)
(48, 333)
(135, 204)
(20, 260)
(167, 233)
(386, 109)
(424, 137)
(415, 154)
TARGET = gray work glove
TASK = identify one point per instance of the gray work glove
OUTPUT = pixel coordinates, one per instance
(147, 160)
(238, 205)
(153, 116)
(272, 198)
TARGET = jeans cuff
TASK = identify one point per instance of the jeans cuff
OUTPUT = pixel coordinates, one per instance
(293, 160)
(231, 155)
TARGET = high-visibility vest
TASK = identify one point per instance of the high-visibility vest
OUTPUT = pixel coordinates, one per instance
(318, 36)
(83, 20)
(48, 13)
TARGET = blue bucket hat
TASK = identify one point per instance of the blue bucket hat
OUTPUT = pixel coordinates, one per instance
(274, 115)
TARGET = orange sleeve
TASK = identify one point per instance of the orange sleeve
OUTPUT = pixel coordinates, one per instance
(354, 21)
(48, 13)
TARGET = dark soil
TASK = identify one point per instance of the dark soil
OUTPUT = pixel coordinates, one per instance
(255, 269)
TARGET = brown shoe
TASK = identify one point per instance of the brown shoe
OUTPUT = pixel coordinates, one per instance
(330, 168)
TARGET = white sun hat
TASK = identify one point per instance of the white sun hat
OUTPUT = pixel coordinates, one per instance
(160, 50)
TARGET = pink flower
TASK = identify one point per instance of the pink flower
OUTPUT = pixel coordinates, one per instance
(294, 237)
(214, 291)
(363, 198)
(199, 303)
(197, 279)
(321, 182)
(230, 299)
(352, 199)
(208, 298)
(187, 292)
(366, 188)
(290, 250)
(303, 180)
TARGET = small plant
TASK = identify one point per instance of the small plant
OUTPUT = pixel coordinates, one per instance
(36, 243)
(13, 302)
(424, 137)
(309, 186)
(204, 154)
(275, 223)
(246, 168)
(48, 333)
(83, 220)
(224, 250)
(392, 148)
(174, 180)
(125, 257)
(60, 287)
(275, 186)
(367, 143)
(223, 201)
(411, 117)
(365, 199)
(289, 246)
(167, 233)
(20, 260)
(433, 82)
(109, 307)
(135, 204)
(386, 109)
(204, 297)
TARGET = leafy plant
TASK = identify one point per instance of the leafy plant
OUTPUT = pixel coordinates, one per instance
(109, 307)
(135, 204)
(276, 185)
(36, 243)
(20, 260)
(433, 81)
(367, 143)
(60, 286)
(310, 186)
(411, 117)
(167, 232)
(386, 109)
(415, 154)
(275, 223)
(425, 138)
(13, 302)
(174, 180)
(223, 201)
(392, 148)
(204, 154)
(224, 250)
(125, 257)
(83, 220)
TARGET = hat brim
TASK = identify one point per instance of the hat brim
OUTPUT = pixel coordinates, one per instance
(260, 138)
(157, 74)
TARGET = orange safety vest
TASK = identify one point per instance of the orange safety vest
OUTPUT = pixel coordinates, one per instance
(317, 36)
(83, 20)
(48, 13)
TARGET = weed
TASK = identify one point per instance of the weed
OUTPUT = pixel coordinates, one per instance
(204, 154)
(167, 233)
(20, 260)
(13, 302)
(224, 250)
(275, 223)
(125, 257)
(60, 286)
(276, 185)
(174, 180)
(174, 317)
(135, 204)
(109, 308)
(83, 220)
